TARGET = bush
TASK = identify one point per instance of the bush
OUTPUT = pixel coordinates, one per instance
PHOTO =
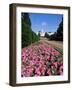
(46, 35)
(58, 35)
(34, 37)
(28, 36)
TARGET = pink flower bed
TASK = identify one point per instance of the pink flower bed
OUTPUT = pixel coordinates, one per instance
(41, 60)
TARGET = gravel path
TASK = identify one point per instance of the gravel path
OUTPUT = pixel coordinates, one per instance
(57, 44)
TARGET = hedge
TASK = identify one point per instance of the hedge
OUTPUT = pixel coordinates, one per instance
(28, 36)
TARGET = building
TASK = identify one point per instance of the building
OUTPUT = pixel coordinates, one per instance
(42, 34)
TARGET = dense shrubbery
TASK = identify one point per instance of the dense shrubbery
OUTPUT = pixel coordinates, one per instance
(53, 37)
(58, 35)
(34, 37)
(28, 36)
(46, 35)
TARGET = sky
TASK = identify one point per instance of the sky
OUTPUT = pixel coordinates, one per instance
(45, 22)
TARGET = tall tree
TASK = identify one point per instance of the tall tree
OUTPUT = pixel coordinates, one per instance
(26, 30)
(60, 31)
(46, 35)
(58, 35)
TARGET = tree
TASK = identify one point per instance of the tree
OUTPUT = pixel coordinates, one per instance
(34, 37)
(26, 30)
(46, 35)
(60, 31)
(28, 36)
(39, 33)
(58, 35)
(26, 19)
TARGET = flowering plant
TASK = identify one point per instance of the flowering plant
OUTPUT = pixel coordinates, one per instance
(41, 60)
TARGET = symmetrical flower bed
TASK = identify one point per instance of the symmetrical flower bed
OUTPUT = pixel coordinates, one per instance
(41, 59)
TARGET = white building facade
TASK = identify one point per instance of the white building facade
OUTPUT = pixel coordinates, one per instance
(42, 34)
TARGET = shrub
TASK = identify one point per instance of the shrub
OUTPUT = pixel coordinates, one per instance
(46, 35)
(28, 36)
(34, 37)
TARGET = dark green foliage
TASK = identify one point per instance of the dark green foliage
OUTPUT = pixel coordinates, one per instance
(26, 30)
(46, 35)
(34, 37)
(26, 19)
(60, 32)
(28, 36)
(53, 37)
(58, 35)
(39, 33)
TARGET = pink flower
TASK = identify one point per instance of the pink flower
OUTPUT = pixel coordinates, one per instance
(61, 70)
(29, 72)
(57, 53)
(23, 55)
(49, 72)
(31, 63)
(55, 64)
(43, 70)
(48, 57)
(60, 63)
(37, 58)
(37, 71)
(52, 58)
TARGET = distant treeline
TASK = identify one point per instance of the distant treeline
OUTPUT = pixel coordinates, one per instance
(58, 35)
(28, 36)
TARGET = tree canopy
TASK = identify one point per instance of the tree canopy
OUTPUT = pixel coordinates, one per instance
(28, 36)
(58, 35)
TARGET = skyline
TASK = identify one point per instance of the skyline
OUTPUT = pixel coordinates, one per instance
(45, 22)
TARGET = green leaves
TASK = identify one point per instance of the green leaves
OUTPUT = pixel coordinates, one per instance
(58, 35)
(46, 35)
(28, 36)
